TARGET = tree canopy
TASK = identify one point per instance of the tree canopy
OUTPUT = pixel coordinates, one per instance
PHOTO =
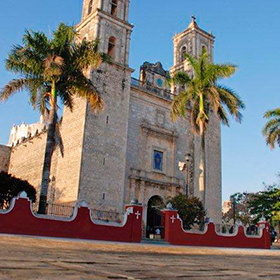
(200, 93)
(51, 69)
(62, 60)
(252, 207)
(190, 210)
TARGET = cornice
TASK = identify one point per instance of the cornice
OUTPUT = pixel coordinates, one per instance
(159, 132)
(141, 175)
(106, 16)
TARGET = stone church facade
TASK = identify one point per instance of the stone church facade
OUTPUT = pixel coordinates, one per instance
(131, 149)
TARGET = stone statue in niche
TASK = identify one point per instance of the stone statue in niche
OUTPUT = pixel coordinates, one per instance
(160, 118)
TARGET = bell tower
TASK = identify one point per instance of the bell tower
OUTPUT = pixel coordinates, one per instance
(103, 161)
(107, 20)
(191, 41)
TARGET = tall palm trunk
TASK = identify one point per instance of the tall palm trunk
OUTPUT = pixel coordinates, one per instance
(48, 152)
(202, 180)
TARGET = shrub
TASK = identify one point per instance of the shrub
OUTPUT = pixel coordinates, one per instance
(11, 186)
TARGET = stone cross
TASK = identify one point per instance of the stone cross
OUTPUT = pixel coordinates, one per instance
(138, 214)
(173, 219)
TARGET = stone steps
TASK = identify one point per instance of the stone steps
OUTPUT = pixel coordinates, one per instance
(154, 241)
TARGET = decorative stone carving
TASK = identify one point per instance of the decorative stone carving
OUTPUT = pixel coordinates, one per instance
(160, 118)
(154, 68)
(159, 132)
(144, 176)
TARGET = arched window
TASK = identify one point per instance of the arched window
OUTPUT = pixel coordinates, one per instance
(183, 53)
(114, 6)
(112, 46)
(90, 5)
(203, 49)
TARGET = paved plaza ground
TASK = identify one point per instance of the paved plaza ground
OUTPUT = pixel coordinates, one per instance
(38, 258)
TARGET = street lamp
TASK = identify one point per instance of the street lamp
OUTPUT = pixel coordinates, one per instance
(186, 166)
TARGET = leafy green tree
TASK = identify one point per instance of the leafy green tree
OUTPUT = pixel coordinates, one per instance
(271, 130)
(52, 69)
(262, 204)
(239, 209)
(201, 94)
(11, 186)
(250, 208)
(190, 210)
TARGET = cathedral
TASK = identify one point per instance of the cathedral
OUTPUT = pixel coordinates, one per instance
(130, 150)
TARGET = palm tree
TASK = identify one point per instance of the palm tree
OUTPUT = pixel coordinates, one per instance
(52, 69)
(201, 95)
(271, 130)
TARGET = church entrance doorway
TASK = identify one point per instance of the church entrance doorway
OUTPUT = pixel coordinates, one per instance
(155, 224)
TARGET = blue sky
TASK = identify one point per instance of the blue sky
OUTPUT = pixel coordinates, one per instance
(247, 34)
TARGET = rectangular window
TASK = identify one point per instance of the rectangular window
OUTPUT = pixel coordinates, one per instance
(158, 160)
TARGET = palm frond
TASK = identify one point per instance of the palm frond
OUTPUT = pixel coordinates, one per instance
(232, 101)
(271, 130)
(12, 87)
(223, 116)
(180, 78)
(272, 113)
(221, 71)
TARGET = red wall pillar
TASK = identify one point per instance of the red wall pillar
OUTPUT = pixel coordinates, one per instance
(170, 224)
(136, 226)
(266, 233)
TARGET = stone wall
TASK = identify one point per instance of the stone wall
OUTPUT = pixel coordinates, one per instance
(69, 167)
(27, 160)
(104, 147)
(21, 132)
(214, 170)
(5, 153)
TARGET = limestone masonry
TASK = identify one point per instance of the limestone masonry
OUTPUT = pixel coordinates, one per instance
(131, 150)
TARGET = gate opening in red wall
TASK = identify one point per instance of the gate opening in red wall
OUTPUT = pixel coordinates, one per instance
(155, 218)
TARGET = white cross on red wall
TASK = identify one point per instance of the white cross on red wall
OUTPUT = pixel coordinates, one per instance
(173, 219)
(138, 214)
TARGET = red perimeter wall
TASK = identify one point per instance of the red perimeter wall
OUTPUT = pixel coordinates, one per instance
(19, 219)
(175, 235)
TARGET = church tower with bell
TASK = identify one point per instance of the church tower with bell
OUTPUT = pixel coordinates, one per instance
(191, 41)
(103, 160)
